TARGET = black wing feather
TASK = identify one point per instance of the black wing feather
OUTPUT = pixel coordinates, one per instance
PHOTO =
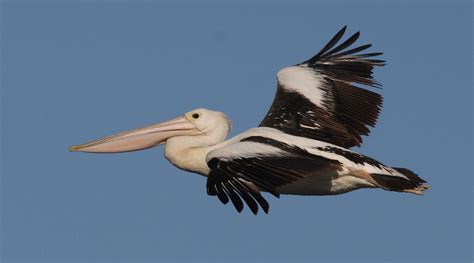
(354, 50)
(265, 172)
(329, 45)
(345, 44)
(348, 110)
(222, 195)
(236, 201)
(242, 191)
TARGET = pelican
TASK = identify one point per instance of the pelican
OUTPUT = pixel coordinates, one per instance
(302, 146)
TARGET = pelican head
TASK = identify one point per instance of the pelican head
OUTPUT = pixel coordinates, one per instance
(197, 128)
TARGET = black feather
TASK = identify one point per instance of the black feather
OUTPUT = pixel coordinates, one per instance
(236, 201)
(352, 51)
(345, 111)
(222, 195)
(244, 193)
(328, 46)
(345, 44)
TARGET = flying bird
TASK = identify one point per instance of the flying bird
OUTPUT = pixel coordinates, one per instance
(301, 147)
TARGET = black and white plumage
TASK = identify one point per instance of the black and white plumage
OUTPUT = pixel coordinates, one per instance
(279, 163)
(302, 145)
(318, 99)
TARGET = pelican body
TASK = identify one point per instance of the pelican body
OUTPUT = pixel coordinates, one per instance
(302, 147)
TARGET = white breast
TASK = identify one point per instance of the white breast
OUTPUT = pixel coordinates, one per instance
(328, 184)
(185, 158)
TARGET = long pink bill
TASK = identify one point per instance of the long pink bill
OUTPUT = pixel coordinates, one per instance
(139, 139)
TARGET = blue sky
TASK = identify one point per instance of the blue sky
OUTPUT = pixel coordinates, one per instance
(77, 71)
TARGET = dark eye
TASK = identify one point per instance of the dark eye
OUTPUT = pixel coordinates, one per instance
(195, 115)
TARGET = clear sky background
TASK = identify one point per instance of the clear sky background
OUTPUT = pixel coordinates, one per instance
(76, 71)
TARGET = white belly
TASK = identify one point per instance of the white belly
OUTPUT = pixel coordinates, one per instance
(330, 184)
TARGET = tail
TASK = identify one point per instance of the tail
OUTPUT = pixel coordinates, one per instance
(414, 184)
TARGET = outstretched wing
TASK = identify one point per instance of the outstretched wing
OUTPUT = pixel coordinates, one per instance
(318, 98)
(257, 161)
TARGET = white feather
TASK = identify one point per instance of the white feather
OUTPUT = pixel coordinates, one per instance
(303, 80)
(235, 149)
(244, 150)
(315, 127)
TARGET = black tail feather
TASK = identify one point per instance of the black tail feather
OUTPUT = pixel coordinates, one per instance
(414, 184)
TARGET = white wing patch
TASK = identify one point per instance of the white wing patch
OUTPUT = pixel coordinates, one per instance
(244, 150)
(305, 81)
(309, 145)
(234, 149)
